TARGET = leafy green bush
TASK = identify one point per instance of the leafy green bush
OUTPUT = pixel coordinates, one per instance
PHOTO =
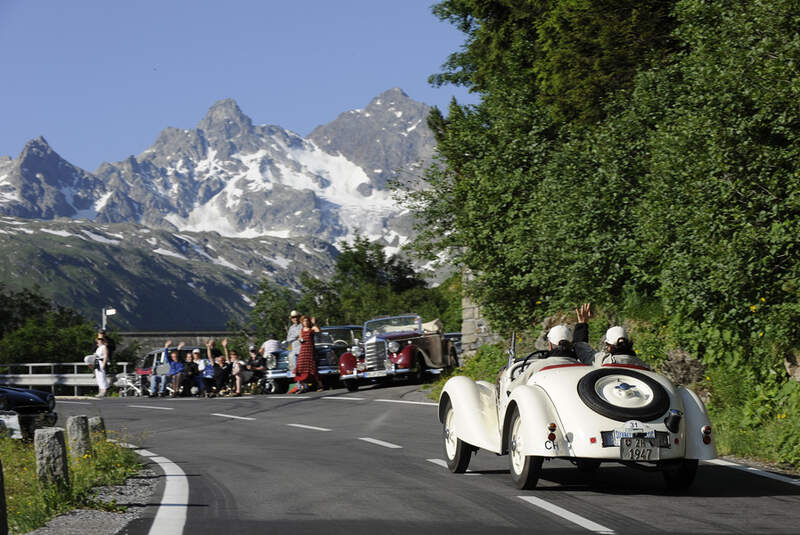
(31, 504)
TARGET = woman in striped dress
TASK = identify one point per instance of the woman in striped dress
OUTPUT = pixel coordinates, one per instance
(306, 365)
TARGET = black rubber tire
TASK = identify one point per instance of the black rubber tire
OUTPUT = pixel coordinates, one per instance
(351, 385)
(528, 476)
(281, 387)
(463, 451)
(681, 476)
(653, 410)
(587, 465)
(418, 377)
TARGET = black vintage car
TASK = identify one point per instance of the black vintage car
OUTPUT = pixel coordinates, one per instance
(278, 377)
(33, 408)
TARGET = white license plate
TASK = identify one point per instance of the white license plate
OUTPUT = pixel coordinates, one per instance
(639, 449)
(377, 373)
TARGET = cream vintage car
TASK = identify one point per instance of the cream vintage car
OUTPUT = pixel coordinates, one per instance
(545, 407)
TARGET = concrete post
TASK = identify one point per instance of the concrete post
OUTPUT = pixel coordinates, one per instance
(51, 456)
(80, 443)
(3, 513)
(97, 428)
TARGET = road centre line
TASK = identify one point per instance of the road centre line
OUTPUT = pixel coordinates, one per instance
(380, 442)
(232, 416)
(343, 398)
(443, 464)
(567, 515)
(152, 407)
(311, 427)
(408, 402)
(756, 471)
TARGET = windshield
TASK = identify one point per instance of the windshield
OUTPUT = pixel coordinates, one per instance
(343, 334)
(391, 325)
(322, 338)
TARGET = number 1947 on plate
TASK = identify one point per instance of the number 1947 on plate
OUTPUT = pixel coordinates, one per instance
(639, 449)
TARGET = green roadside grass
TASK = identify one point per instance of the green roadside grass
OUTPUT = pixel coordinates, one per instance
(31, 504)
(743, 425)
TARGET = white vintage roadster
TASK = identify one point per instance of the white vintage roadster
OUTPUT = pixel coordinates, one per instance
(544, 407)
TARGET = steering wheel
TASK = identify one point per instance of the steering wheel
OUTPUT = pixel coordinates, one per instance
(340, 342)
(539, 354)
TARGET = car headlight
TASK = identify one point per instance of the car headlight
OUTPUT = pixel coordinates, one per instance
(394, 347)
(271, 361)
(51, 402)
(387, 364)
(357, 351)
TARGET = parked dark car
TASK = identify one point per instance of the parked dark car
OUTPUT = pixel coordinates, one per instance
(33, 408)
(397, 346)
(344, 336)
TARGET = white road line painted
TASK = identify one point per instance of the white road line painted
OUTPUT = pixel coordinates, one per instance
(74, 402)
(343, 398)
(379, 442)
(756, 471)
(171, 515)
(232, 416)
(145, 453)
(443, 464)
(567, 515)
(152, 407)
(293, 396)
(311, 427)
(408, 402)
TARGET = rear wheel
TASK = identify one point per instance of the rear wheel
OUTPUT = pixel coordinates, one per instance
(456, 451)
(525, 469)
(351, 385)
(681, 475)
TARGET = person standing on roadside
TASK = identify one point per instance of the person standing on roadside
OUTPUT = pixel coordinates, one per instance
(101, 361)
(293, 339)
(306, 364)
(158, 383)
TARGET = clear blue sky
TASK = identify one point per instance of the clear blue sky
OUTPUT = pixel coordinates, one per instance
(100, 78)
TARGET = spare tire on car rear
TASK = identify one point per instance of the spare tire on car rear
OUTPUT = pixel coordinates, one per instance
(622, 394)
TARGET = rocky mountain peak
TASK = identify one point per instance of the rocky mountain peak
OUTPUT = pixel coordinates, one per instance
(226, 118)
(35, 148)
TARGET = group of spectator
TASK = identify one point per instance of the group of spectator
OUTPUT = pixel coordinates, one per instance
(211, 372)
(206, 375)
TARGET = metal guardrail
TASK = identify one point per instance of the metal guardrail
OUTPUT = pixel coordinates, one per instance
(53, 376)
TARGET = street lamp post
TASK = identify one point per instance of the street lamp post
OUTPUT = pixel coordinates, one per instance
(107, 311)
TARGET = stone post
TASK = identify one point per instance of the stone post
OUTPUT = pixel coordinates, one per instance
(80, 443)
(51, 456)
(97, 427)
(3, 513)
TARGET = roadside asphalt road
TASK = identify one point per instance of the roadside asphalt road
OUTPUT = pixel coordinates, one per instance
(371, 461)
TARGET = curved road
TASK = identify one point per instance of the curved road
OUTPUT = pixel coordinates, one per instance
(371, 462)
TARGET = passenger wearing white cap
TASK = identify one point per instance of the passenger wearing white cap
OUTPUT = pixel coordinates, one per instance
(293, 339)
(559, 338)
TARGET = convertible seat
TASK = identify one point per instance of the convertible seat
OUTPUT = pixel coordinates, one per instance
(433, 327)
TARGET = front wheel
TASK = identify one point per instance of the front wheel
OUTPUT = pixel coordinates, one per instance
(525, 469)
(456, 451)
(679, 477)
(351, 385)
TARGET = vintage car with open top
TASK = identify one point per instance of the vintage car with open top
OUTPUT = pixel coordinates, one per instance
(397, 346)
(545, 407)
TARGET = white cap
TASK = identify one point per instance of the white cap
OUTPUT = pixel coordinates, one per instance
(614, 334)
(294, 314)
(558, 334)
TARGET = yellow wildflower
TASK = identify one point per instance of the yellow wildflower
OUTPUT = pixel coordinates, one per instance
(763, 300)
(760, 335)
(538, 302)
(752, 308)
(708, 378)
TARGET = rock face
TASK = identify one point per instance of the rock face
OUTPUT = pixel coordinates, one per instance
(80, 442)
(51, 456)
(97, 427)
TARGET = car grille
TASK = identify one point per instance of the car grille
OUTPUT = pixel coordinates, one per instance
(375, 354)
(661, 437)
(282, 361)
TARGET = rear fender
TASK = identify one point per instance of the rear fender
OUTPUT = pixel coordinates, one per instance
(696, 417)
(537, 413)
(475, 412)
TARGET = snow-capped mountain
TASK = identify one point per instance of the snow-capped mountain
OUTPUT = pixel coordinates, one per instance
(255, 191)
(239, 179)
